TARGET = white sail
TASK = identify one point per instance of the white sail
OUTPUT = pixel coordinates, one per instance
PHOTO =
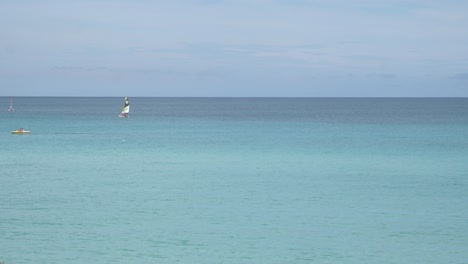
(126, 109)
(11, 105)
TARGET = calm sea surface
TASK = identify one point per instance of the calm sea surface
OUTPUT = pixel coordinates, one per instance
(234, 180)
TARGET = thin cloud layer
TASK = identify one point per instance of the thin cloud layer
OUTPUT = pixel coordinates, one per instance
(234, 48)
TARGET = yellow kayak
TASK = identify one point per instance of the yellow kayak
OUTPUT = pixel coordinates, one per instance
(20, 132)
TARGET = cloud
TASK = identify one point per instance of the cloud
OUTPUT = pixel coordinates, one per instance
(460, 76)
(385, 76)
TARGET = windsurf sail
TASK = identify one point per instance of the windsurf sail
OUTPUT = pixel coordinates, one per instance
(126, 108)
(11, 105)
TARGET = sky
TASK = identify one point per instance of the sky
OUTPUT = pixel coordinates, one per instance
(241, 48)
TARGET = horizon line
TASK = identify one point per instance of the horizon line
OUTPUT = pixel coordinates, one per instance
(266, 97)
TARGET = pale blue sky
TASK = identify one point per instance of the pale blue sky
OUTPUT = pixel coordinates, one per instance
(234, 48)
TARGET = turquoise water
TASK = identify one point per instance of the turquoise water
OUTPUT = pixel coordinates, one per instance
(234, 180)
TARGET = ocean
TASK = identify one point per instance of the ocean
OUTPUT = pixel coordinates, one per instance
(234, 180)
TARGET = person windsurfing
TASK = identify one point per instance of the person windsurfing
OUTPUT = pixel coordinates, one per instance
(126, 108)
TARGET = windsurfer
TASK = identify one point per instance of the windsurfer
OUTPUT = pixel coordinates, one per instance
(126, 108)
